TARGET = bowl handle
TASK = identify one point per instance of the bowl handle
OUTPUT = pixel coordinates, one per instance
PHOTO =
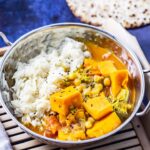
(147, 107)
(6, 41)
(144, 111)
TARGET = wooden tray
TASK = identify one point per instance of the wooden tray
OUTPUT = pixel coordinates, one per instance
(132, 137)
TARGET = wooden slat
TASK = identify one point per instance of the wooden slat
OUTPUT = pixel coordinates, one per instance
(13, 131)
(112, 139)
(26, 145)
(127, 127)
(44, 147)
(20, 137)
(9, 124)
(118, 137)
(135, 148)
(115, 138)
(2, 111)
(140, 132)
(4, 117)
(120, 145)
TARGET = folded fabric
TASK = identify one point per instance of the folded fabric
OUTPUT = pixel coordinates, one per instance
(4, 141)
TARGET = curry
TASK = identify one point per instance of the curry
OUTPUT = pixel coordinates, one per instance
(92, 101)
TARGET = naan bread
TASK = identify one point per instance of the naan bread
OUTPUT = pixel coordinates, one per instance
(130, 13)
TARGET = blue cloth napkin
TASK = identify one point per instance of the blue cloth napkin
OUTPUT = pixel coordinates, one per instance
(4, 141)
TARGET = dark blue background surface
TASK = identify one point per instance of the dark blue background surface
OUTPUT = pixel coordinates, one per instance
(17, 17)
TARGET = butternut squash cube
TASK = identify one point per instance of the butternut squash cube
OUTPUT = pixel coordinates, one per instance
(119, 79)
(106, 67)
(64, 134)
(106, 125)
(98, 107)
(90, 62)
(62, 100)
(93, 64)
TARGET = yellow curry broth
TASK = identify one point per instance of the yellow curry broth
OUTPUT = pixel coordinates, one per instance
(34, 129)
(98, 53)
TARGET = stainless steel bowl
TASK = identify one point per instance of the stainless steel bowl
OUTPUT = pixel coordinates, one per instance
(42, 39)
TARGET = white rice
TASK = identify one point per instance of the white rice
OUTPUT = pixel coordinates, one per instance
(35, 80)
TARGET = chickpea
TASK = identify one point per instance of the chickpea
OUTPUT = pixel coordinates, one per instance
(77, 82)
(91, 120)
(95, 92)
(87, 91)
(66, 130)
(98, 79)
(99, 87)
(83, 85)
(76, 127)
(89, 123)
(80, 87)
(129, 106)
(41, 128)
(107, 81)
(72, 76)
(80, 114)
